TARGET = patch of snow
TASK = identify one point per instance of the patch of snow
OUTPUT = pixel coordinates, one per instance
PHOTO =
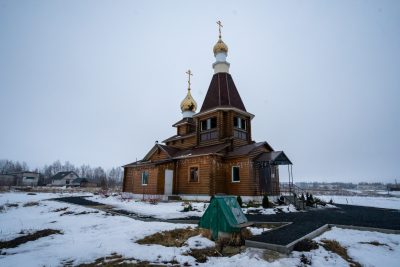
(270, 211)
(367, 254)
(85, 237)
(162, 210)
(256, 230)
(378, 202)
(199, 242)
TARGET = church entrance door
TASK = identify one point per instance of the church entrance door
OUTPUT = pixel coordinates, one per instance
(169, 176)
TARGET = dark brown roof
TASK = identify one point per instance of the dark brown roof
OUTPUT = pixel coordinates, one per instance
(222, 92)
(169, 150)
(183, 121)
(276, 157)
(246, 149)
(200, 151)
(178, 137)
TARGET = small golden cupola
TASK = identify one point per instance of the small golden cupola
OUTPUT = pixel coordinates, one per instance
(188, 104)
(220, 53)
(220, 46)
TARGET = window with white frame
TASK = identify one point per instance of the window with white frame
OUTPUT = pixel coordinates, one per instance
(235, 174)
(145, 178)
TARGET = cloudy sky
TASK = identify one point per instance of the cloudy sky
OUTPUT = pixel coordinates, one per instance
(97, 82)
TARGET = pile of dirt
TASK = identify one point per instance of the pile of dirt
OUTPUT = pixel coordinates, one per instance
(78, 213)
(29, 237)
(305, 245)
(31, 204)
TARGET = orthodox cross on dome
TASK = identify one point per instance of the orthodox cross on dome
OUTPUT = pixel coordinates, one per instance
(189, 73)
(219, 27)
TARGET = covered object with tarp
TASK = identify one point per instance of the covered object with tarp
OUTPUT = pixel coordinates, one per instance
(223, 217)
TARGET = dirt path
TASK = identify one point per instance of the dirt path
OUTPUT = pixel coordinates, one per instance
(82, 201)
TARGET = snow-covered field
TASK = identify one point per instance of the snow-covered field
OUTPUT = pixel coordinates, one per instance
(162, 210)
(172, 210)
(378, 202)
(94, 234)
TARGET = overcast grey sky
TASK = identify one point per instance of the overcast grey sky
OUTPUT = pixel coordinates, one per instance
(97, 82)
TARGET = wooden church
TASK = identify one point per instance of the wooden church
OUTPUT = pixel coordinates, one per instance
(212, 152)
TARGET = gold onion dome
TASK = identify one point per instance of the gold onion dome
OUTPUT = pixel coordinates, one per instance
(220, 46)
(188, 103)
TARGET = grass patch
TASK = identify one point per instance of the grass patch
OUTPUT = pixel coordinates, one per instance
(201, 254)
(335, 247)
(31, 204)
(117, 260)
(176, 238)
(173, 238)
(29, 237)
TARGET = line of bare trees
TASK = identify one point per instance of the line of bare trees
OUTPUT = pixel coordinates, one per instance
(111, 177)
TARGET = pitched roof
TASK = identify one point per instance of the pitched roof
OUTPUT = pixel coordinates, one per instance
(183, 121)
(200, 151)
(222, 92)
(60, 175)
(246, 149)
(178, 137)
(277, 157)
(167, 149)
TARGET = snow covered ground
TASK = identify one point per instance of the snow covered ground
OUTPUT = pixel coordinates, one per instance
(94, 234)
(173, 210)
(378, 202)
(162, 210)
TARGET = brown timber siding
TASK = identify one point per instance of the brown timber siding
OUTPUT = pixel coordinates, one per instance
(183, 184)
(247, 185)
(133, 180)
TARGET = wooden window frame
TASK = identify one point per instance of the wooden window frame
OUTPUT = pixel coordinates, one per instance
(198, 174)
(208, 124)
(233, 181)
(143, 172)
(239, 123)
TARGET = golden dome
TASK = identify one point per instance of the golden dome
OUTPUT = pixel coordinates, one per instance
(220, 46)
(188, 103)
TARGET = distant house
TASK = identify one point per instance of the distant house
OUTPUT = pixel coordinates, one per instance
(80, 182)
(25, 178)
(64, 178)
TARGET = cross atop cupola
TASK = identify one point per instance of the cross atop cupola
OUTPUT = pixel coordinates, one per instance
(220, 52)
(188, 104)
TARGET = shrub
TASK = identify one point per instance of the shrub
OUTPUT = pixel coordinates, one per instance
(309, 200)
(281, 200)
(187, 208)
(239, 200)
(265, 202)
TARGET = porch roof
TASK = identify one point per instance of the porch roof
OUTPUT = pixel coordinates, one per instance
(274, 157)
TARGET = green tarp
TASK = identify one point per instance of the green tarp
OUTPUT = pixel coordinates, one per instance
(223, 215)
